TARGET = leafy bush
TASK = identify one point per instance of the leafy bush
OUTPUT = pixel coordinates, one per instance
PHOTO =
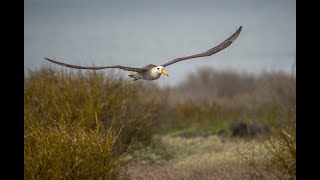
(80, 125)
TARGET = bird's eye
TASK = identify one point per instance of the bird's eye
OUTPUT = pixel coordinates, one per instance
(158, 68)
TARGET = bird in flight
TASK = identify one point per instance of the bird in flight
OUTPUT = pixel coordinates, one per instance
(153, 72)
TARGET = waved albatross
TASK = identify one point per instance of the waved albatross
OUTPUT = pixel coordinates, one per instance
(153, 72)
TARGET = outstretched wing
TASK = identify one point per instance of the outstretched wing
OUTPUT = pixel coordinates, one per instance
(97, 67)
(211, 51)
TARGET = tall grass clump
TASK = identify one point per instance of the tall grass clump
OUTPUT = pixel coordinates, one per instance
(80, 125)
(283, 153)
(278, 160)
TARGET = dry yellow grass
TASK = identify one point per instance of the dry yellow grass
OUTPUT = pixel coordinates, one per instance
(201, 159)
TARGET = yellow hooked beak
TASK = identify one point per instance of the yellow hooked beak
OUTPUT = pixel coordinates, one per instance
(164, 72)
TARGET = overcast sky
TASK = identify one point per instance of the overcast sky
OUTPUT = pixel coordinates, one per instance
(141, 32)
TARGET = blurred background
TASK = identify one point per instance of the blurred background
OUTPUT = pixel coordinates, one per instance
(137, 33)
(228, 116)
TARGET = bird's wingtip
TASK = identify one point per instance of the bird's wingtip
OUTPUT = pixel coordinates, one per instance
(49, 59)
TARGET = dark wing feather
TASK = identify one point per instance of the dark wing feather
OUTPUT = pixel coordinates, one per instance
(211, 51)
(96, 67)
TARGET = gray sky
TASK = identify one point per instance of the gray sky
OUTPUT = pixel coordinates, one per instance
(141, 32)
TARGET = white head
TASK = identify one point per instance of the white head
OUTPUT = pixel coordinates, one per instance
(157, 71)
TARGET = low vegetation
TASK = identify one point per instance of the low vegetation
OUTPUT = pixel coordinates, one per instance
(95, 125)
(82, 125)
